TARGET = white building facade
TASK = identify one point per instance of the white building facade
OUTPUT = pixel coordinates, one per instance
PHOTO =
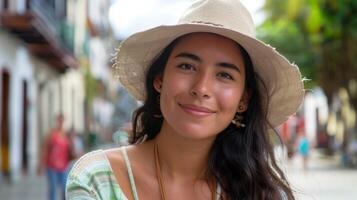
(33, 91)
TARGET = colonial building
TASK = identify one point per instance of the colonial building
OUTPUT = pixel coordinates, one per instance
(40, 77)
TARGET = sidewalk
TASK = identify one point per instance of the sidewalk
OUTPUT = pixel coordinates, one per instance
(324, 179)
(30, 188)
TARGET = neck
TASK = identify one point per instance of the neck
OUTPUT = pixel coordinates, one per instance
(59, 129)
(182, 159)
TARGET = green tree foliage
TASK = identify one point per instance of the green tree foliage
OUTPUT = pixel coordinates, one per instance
(320, 36)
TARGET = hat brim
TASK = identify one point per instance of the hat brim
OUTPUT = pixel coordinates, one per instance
(282, 79)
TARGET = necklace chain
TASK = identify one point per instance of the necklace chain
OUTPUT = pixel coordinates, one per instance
(161, 182)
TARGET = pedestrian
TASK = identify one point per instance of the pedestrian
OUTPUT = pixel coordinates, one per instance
(304, 149)
(55, 159)
(210, 92)
(303, 145)
(288, 135)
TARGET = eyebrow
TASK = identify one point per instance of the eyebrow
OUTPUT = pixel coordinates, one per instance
(198, 59)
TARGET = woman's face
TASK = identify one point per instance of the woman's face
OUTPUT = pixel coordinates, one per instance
(202, 86)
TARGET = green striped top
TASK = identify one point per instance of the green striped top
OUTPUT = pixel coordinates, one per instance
(92, 178)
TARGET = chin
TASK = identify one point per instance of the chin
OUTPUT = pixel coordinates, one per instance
(196, 132)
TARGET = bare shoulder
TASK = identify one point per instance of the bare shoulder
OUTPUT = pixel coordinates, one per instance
(117, 162)
(140, 157)
(137, 156)
(114, 155)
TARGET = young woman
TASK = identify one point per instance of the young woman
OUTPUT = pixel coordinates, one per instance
(211, 92)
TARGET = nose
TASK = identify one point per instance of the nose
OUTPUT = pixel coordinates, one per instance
(202, 86)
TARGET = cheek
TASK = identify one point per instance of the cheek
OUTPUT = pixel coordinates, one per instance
(228, 99)
(172, 87)
(175, 83)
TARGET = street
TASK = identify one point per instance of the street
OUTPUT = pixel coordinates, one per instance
(31, 188)
(324, 180)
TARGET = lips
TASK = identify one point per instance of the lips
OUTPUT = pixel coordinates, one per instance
(195, 110)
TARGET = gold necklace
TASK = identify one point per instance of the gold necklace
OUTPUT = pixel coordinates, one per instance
(161, 183)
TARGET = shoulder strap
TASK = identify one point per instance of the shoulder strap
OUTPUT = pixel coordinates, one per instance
(130, 173)
(219, 192)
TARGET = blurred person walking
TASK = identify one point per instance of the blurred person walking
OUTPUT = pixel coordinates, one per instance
(303, 142)
(289, 135)
(55, 159)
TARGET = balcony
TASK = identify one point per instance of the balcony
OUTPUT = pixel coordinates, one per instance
(45, 35)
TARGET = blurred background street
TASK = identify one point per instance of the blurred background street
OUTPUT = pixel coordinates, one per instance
(56, 60)
(324, 179)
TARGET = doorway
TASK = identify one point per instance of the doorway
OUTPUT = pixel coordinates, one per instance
(24, 127)
(4, 124)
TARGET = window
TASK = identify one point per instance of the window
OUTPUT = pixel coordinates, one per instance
(5, 5)
(27, 4)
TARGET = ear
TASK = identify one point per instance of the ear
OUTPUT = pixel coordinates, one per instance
(158, 83)
(244, 102)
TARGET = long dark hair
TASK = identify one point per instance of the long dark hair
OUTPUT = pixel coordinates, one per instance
(241, 159)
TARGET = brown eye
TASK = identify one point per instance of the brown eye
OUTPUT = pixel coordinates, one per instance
(225, 75)
(186, 66)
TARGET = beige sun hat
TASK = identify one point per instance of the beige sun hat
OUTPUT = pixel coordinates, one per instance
(230, 19)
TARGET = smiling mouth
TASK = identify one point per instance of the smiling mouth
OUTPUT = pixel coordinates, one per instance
(196, 110)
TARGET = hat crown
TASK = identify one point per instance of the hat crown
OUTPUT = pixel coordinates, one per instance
(230, 14)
